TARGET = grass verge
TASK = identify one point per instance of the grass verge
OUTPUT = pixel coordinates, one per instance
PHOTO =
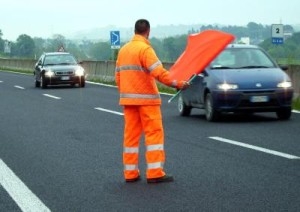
(296, 103)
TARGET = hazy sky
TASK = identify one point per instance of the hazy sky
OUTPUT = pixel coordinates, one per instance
(43, 18)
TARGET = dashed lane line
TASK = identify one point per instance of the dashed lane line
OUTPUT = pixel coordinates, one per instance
(51, 96)
(19, 87)
(19, 192)
(249, 146)
(109, 111)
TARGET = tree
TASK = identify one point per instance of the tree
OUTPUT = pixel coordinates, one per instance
(157, 45)
(289, 49)
(58, 41)
(75, 50)
(40, 47)
(174, 46)
(24, 46)
(1, 43)
(288, 28)
(101, 51)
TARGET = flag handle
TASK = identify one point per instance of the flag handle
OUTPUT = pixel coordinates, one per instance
(178, 92)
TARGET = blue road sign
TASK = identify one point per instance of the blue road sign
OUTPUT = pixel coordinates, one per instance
(115, 42)
(277, 40)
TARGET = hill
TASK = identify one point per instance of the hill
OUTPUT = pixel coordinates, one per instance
(160, 31)
(103, 34)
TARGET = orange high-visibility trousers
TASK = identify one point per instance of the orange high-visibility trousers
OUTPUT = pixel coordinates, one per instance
(141, 119)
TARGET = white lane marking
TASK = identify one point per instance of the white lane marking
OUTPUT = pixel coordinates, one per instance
(1, 81)
(20, 193)
(109, 111)
(268, 151)
(16, 86)
(296, 111)
(51, 96)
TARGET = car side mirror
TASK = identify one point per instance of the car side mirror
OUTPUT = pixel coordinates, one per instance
(284, 67)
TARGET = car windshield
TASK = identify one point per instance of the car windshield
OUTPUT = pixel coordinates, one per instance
(239, 58)
(63, 59)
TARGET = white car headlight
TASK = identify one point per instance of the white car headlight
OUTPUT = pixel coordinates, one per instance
(49, 73)
(227, 86)
(79, 72)
(285, 84)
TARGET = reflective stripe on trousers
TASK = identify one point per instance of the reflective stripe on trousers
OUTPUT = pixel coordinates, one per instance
(147, 120)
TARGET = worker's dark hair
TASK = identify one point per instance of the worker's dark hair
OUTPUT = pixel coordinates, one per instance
(141, 26)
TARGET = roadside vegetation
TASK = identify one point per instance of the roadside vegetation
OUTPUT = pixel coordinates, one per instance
(296, 103)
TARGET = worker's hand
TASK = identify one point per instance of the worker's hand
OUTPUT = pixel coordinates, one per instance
(183, 85)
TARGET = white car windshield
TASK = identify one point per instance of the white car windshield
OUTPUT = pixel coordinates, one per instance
(242, 58)
(63, 59)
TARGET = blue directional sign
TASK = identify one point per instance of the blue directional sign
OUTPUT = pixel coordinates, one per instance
(115, 41)
(277, 40)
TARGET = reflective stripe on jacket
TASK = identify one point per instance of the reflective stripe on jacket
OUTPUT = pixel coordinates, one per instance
(137, 69)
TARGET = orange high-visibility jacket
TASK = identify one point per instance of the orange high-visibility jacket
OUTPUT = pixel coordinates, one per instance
(137, 69)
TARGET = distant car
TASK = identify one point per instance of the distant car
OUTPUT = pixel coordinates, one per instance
(57, 68)
(243, 78)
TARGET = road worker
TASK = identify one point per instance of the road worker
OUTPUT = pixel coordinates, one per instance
(137, 69)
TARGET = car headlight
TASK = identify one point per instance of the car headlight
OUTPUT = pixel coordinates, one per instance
(285, 84)
(49, 73)
(227, 86)
(79, 72)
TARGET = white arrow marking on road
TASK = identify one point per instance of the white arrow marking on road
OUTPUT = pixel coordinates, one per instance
(19, 192)
(54, 97)
(109, 111)
(288, 156)
(16, 86)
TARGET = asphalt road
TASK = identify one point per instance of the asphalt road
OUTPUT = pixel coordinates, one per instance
(61, 150)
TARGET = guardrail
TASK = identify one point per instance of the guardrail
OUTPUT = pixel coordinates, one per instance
(104, 70)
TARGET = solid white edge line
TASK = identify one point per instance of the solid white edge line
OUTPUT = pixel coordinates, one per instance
(109, 111)
(295, 111)
(16, 86)
(19, 192)
(54, 97)
(268, 151)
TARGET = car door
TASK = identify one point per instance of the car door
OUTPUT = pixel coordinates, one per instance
(201, 86)
(193, 95)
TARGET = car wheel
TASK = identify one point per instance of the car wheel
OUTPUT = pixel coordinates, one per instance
(42, 82)
(284, 113)
(183, 109)
(210, 113)
(37, 84)
(82, 84)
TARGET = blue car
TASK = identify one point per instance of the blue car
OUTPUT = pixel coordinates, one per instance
(243, 78)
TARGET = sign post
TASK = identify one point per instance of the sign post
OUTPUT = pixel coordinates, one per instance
(277, 33)
(7, 47)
